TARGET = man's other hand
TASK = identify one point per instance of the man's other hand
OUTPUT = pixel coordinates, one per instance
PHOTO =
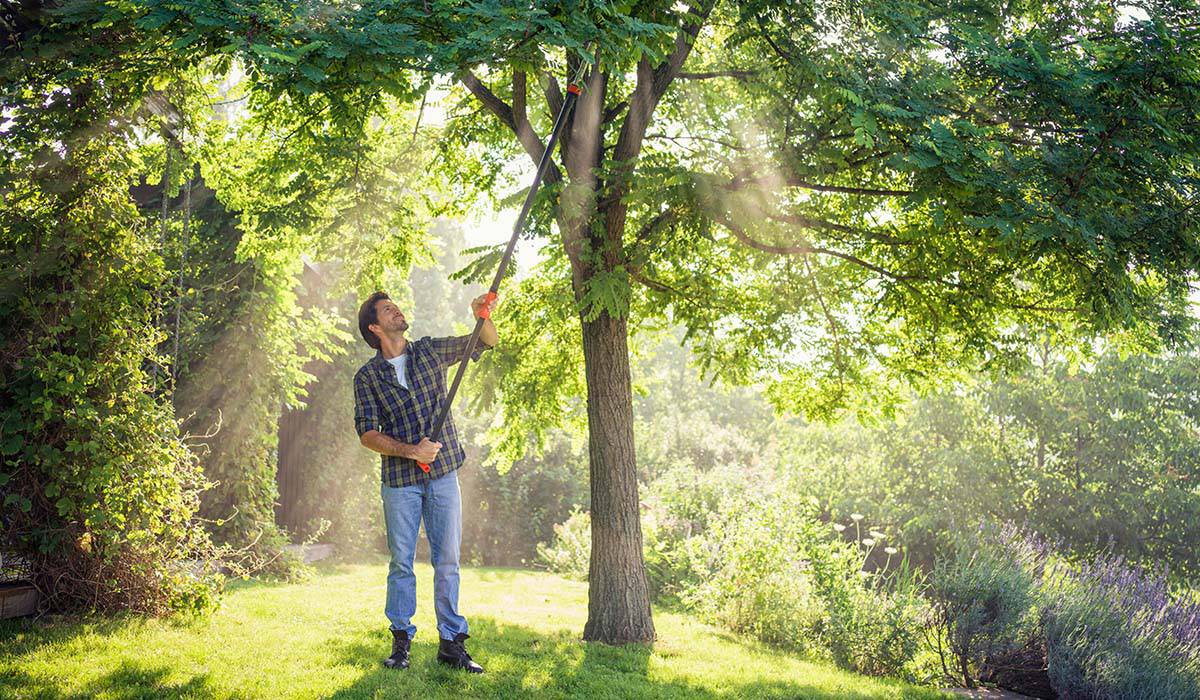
(426, 451)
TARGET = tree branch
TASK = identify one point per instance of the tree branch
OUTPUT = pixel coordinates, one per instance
(805, 249)
(666, 216)
(652, 83)
(515, 119)
(839, 357)
(664, 288)
(677, 139)
(612, 112)
(552, 92)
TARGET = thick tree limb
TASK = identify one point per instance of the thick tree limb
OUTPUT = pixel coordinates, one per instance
(582, 145)
(552, 92)
(652, 83)
(515, 119)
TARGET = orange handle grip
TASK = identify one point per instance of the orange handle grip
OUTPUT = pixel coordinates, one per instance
(485, 311)
(424, 467)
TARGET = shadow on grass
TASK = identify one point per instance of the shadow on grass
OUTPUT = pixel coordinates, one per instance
(523, 663)
(127, 682)
(25, 635)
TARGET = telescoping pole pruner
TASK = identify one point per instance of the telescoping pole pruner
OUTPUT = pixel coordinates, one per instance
(486, 310)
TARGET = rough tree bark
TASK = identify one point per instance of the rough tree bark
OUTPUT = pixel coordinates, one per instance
(618, 596)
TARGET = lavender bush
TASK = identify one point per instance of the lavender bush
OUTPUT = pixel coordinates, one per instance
(1116, 631)
(983, 598)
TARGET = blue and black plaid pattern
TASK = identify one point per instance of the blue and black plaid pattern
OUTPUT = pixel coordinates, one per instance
(380, 403)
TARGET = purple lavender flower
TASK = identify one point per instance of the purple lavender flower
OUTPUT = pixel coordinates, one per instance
(1115, 630)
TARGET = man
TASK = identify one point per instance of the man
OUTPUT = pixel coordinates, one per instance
(396, 398)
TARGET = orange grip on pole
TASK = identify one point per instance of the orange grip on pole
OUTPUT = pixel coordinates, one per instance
(485, 311)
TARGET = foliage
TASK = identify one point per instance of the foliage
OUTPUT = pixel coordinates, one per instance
(757, 577)
(910, 215)
(836, 200)
(841, 200)
(511, 514)
(1102, 455)
(983, 595)
(536, 371)
(1116, 631)
(242, 195)
(302, 189)
(772, 570)
(99, 491)
(571, 549)
(760, 564)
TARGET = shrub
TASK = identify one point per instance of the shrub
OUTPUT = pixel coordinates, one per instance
(97, 491)
(873, 612)
(776, 572)
(1114, 631)
(752, 576)
(873, 624)
(983, 596)
(682, 504)
(766, 567)
(569, 554)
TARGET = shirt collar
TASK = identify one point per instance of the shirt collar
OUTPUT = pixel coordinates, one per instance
(380, 361)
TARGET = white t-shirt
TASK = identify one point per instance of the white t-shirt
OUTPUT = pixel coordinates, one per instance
(400, 362)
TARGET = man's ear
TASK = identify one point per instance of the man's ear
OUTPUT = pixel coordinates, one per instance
(376, 329)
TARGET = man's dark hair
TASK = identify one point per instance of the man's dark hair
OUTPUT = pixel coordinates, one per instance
(368, 315)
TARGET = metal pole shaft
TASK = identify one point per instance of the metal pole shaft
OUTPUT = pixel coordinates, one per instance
(543, 165)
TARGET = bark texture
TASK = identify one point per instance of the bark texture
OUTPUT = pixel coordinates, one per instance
(618, 597)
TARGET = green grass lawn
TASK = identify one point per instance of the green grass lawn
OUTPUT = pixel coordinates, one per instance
(327, 638)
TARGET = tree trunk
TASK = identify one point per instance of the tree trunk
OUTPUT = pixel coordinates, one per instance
(618, 597)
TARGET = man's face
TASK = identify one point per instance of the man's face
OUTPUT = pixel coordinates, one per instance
(391, 320)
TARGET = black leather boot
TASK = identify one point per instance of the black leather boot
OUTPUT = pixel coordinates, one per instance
(453, 652)
(399, 657)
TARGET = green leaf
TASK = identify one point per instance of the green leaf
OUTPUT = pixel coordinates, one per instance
(268, 52)
(11, 445)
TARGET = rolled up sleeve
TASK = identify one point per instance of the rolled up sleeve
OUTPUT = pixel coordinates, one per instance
(366, 406)
(450, 349)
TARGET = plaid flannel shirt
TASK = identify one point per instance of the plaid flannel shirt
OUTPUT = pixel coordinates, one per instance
(381, 403)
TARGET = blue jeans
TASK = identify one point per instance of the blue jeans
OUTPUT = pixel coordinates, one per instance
(439, 503)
